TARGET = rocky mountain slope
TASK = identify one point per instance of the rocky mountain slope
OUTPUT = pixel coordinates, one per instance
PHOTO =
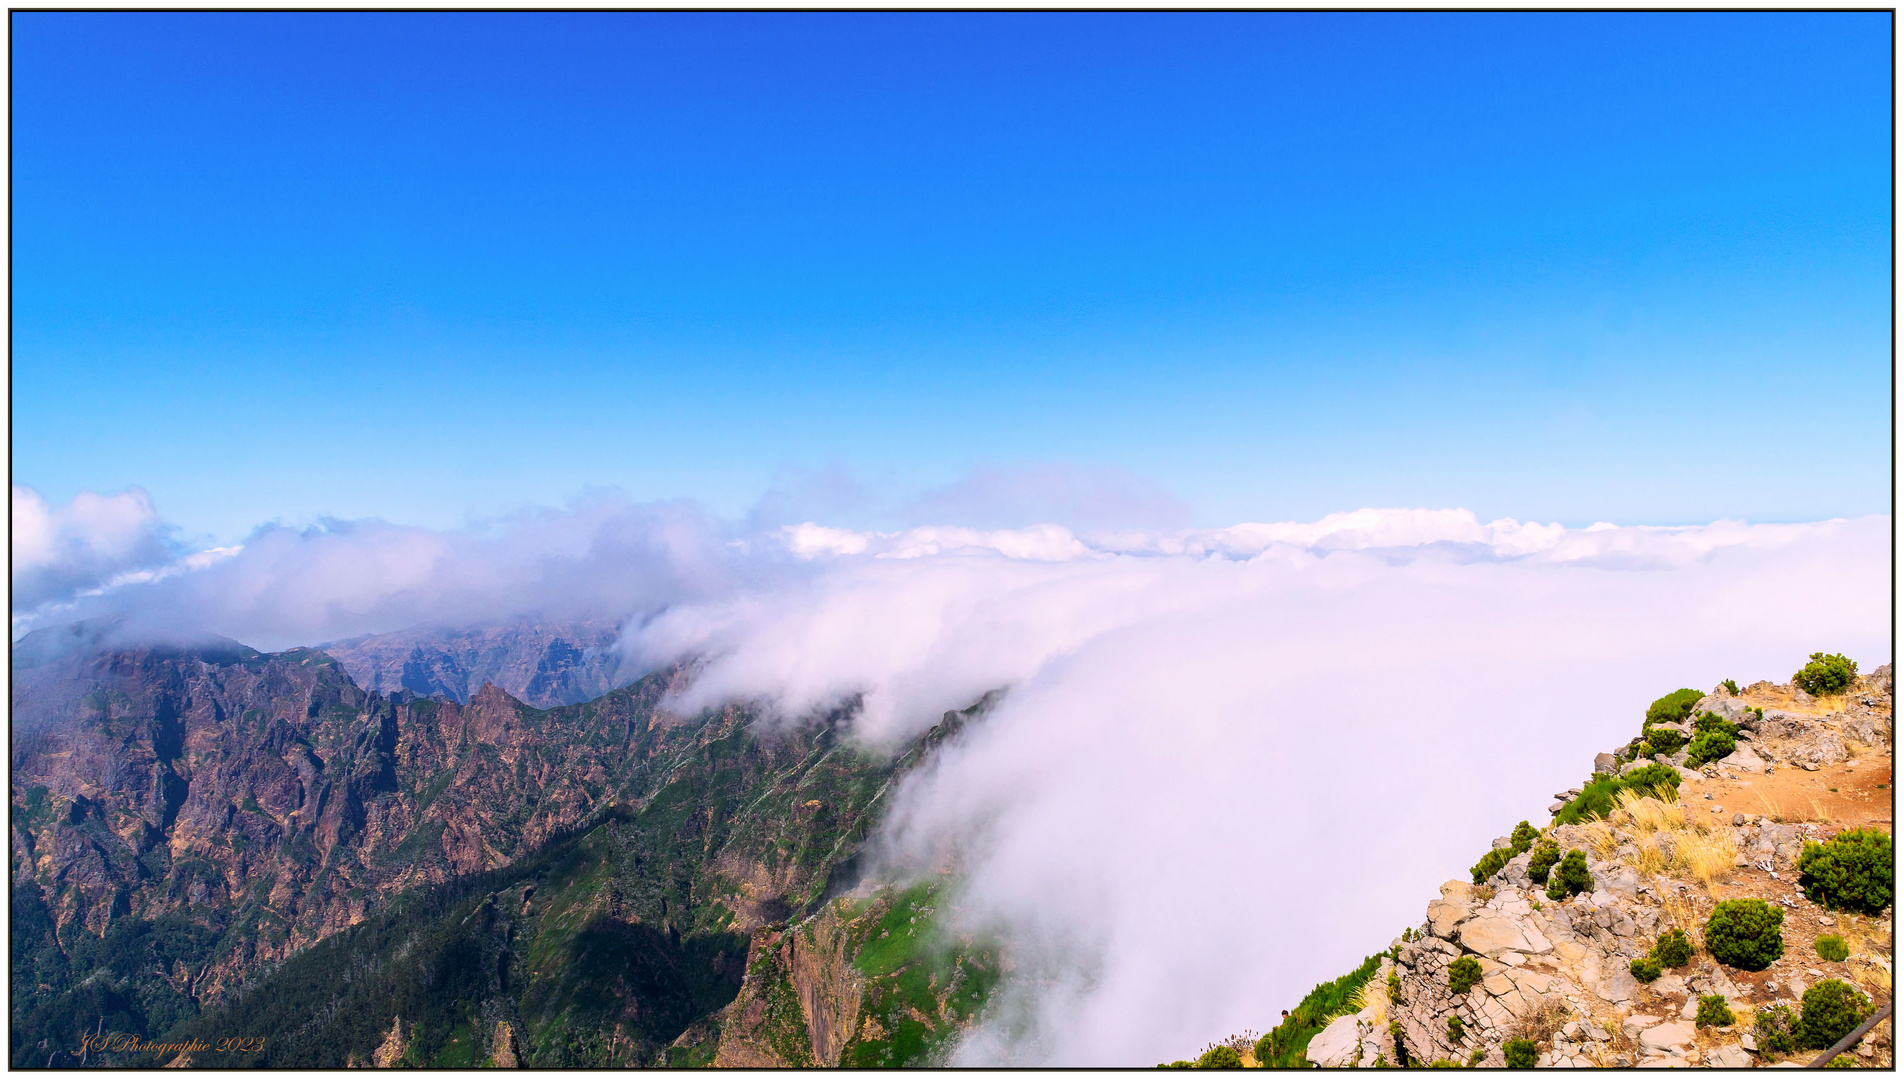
(215, 839)
(1505, 958)
(542, 664)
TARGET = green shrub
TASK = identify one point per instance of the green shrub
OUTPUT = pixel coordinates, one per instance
(1523, 837)
(1826, 674)
(1832, 947)
(1672, 708)
(1709, 746)
(1843, 1061)
(1663, 740)
(1179, 1064)
(1852, 871)
(1455, 1030)
(1463, 974)
(1673, 948)
(1745, 934)
(1490, 864)
(1394, 988)
(1713, 1011)
(1596, 799)
(1220, 1057)
(1401, 1047)
(1265, 1049)
(1520, 1053)
(1731, 687)
(1774, 1031)
(1828, 1013)
(1712, 721)
(1544, 858)
(1570, 877)
(1645, 968)
(1476, 1058)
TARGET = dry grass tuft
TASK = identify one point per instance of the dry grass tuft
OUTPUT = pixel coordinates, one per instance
(1648, 814)
(1772, 808)
(1680, 913)
(1602, 838)
(1372, 1000)
(1544, 1023)
(1818, 812)
(1653, 858)
(1705, 855)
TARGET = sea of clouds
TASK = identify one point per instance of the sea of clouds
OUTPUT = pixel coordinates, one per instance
(1230, 762)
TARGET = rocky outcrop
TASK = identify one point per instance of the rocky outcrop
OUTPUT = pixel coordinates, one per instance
(1556, 972)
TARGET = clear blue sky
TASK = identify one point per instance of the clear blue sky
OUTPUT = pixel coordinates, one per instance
(1578, 267)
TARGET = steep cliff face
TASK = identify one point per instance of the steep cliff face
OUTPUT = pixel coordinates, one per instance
(543, 664)
(187, 821)
(875, 980)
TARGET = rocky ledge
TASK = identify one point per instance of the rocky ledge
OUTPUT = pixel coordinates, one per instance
(1556, 972)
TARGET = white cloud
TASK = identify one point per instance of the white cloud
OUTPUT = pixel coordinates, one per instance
(60, 551)
(1232, 761)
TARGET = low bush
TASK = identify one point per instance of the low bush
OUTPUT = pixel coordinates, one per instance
(1774, 1029)
(1570, 877)
(1663, 740)
(1731, 687)
(1520, 1053)
(1456, 1029)
(1828, 1013)
(1266, 1049)
(1672, 708)
(1833, 948)
(1645, 968)
(1853, 871)
(1394, 988)
(1490, 864)
(1826, 674)
(1476, 1058)
(1713, 1012)
(1544, 858)
(1674, 949)
(1220, 1057)
(1745, 934)
(1463, 974)
(1600, 795)
(1712, 721)
(1523, 837)
(1709, 746)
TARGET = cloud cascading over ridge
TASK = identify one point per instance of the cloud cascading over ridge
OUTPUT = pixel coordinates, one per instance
(59, 552)
(1231, 762)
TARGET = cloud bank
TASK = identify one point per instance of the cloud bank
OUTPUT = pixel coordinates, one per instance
(1231, 763)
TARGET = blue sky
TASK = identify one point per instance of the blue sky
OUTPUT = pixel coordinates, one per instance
(1566, 267)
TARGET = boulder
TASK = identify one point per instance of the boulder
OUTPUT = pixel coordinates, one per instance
(1744, 760)
(1444, 916)
(1335, 1046)
(1638, 1022)
(1666, 1038)
(1492, 935)
(1729, 1057)
(1605, 763)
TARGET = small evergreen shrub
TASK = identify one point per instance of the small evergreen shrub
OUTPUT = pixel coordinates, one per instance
(1731, 687)
(1394, 988)
(1463, 974)
(1520, 1053)
(1596, 800)
(1523, 837)
(1674, 949)
(1774, 1031)
(1713, 1011)
(1828, 1013)
(1401, 1047)
(1745, 934)
(1408, 933)
(1663, 740)
(1220, 1057)
(1645, 968)
(1490, 864)
(1570, 877)
(1712, 721)
(1709, 746)
(1179, 1064)
(1843, 1061)
(1832, 947)
(1266, 1049)
(1544, 858)
(1853, 871)
(1479, 1055)
(1672, 708)
(1455, 1030)
(1826, 674)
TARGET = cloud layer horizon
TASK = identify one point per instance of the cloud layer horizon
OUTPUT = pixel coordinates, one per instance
(1230, 762)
